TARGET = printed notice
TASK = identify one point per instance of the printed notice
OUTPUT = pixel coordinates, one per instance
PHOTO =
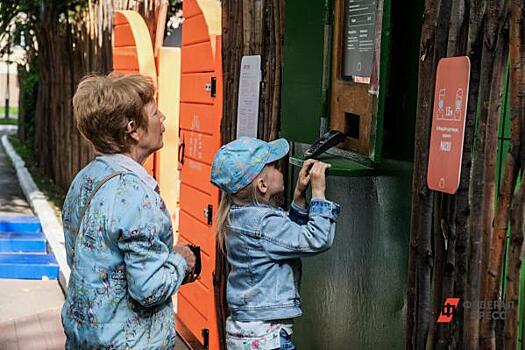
(248, 101)
(359, 33)
(448, 124)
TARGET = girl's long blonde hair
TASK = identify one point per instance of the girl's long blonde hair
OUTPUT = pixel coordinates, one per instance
(247, 195)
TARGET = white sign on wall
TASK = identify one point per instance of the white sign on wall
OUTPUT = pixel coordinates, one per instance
(248, 101)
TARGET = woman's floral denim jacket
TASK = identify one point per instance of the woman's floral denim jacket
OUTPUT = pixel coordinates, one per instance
(123, 268)
(264, 244)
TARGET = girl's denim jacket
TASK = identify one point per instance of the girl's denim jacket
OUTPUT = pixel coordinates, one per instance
(264, 244)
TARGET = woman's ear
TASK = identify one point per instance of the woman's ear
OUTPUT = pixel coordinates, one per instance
(132, 131)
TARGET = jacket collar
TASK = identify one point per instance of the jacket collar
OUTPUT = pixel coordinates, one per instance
(131, 165)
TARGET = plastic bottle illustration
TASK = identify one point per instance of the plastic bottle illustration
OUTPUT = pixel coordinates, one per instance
(441, 104)
(459, 103)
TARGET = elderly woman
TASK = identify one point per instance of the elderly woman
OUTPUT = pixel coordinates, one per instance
(118, 233)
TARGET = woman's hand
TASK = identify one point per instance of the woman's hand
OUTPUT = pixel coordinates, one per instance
(188, 255)
(303, 179)
(318, 179)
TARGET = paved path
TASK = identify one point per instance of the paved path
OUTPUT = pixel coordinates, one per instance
(29, 309)
(12, 200)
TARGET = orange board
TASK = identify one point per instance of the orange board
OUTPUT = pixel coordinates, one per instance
(448, 124)
(200, 115)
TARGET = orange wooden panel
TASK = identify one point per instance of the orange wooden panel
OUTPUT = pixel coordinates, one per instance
(195, 31)
(192, 319)
(193, 88)
(123, 36)
(197, 58)
(120, 71)
(191, 229)
(199, 146)
(194, 202)
(194, 172)
(198, 295)
(150, 165)
(119, 18)
(197, 117)
(190, 8)
(125, 58)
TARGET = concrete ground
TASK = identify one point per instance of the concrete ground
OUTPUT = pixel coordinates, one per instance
(29, 309)
(12, 200)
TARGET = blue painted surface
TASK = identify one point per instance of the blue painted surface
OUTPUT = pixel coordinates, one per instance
(22, 242)
(23, 249)
(28, 266)
(19, 224)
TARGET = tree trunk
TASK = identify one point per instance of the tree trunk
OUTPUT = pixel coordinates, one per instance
(249, 28)
(515, 260)
(421, 254)
(494, 253)
(515, 159)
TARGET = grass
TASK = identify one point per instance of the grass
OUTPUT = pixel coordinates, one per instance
(9, 121)
(13, 110)
(55, 196)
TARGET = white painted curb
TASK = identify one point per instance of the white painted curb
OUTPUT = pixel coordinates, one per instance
(51, 225)
(9, 129)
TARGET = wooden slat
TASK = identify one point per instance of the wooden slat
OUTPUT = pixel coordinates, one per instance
(194, 172)
(193, 88)
(199, 296)
(123, 36)
(125, 72)
(125, 58)
(195, 31)
(119, 19)
(150, 165)
(197, 58)
(195, 202)
(198, 117)
(190, 8)
(199, 146)
(194, 231)
(196, 322)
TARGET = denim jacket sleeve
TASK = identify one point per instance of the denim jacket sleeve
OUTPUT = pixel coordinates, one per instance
(298, 214)
(282, 238)
(154, 272)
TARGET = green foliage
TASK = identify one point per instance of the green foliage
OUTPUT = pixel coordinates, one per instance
(9, 121)
(28, 97)
(17, 20)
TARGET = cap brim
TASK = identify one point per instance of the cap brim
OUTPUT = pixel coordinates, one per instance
(278, 149)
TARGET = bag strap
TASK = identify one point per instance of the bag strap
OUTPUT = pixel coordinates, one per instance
(100, 184)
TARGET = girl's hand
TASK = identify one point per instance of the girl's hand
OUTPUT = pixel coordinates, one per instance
(318, 179)
(303, 179)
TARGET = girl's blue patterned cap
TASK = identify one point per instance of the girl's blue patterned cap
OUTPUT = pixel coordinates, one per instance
(237, 163)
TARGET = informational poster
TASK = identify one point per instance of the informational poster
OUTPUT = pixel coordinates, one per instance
(359, 35)
(448, 124)
(248, 100)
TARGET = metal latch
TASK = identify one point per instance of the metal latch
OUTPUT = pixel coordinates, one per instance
(206, 338)
(208, 213)
(211, 87)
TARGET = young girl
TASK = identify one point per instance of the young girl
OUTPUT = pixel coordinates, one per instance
(263, 243)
